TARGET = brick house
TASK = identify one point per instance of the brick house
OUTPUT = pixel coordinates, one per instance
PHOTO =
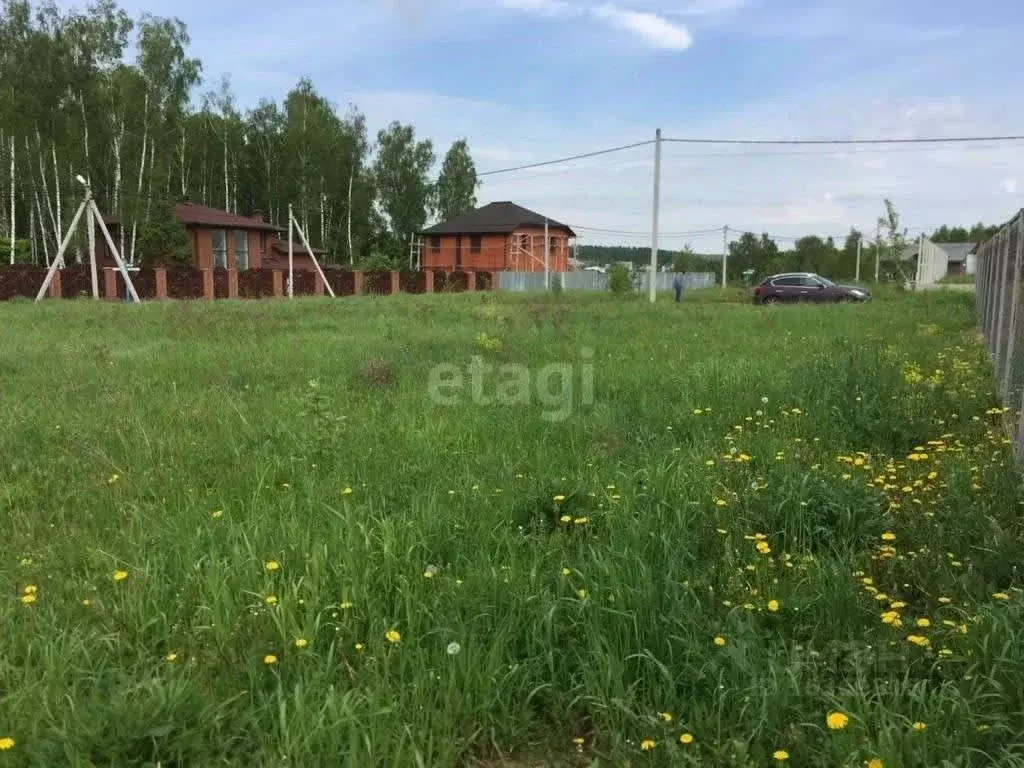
(498, 237)
(223, 240)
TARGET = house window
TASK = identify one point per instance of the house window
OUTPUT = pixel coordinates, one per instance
(475, 243)
(220, 248)
(241, 250)
(435, 244)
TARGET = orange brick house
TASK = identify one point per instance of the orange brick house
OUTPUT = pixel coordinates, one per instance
(224, 240)
(498, 237)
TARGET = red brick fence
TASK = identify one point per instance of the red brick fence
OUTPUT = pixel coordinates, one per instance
(187, 283)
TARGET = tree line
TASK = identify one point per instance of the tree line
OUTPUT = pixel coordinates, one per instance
(762, 255)
(72, 104)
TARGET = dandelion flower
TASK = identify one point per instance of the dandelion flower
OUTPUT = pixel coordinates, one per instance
(721, 503)
(1000, 596)
(919, 726)
(171, 658)
(773, 606)
(579, 741)
(647, 745)
(86, 602)
(453, 649)
(722, 531)
(26, 561)
(888, 536)
(720, 641)
(559, 499)
(875, 762)
(301, 642)
(217, 513)
(923, 623)
(919, 641)
(360, 647)
(567, 572)
(666, 717)
(28, 599)
(272, 565)
(431, 571)
(897, 605)
(393, 636)
(270, 600)
(780, 755)
(270, 659)
(945, 600)
(347, 491)
(6, 743)
(120, 575)
(113, 479)
(686, 738)
(345, 606)
(581, 521)
(836, 721)
(565, 519)
(582, 593)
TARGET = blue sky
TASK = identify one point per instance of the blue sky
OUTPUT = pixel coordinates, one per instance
(529, 80)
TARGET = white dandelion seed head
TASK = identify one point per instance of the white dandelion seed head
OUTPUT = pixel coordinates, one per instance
(454, 649)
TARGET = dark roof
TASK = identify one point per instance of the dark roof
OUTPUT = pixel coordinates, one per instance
(955, 252)
(496, 218)
(193, 214)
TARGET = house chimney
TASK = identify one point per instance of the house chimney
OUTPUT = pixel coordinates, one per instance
(258, 215)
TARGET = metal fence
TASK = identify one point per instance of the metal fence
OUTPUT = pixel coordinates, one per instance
(1001, 317)
(595, 281)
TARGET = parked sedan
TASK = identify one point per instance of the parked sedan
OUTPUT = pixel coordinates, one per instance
(805, 286)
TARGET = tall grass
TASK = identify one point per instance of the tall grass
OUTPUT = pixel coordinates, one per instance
(763, 476)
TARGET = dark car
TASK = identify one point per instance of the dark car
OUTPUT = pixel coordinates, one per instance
(792, 287)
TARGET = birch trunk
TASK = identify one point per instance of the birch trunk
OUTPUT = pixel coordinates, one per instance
(142, 172)
(85, 131)
(56, 188)
(227, 193)
(323, 231)
(32, 234)
(351, 253)
(13, 209)
(149, 185)
(42, 224)
(46, 187)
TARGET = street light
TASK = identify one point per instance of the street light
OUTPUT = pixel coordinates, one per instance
(82, 181)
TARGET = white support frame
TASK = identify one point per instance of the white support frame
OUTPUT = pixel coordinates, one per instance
(294, 224)
(94, 215)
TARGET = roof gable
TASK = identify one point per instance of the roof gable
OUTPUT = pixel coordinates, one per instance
(193, 214)
(495, 218)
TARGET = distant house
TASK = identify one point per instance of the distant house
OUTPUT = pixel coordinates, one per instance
(961, 258)
(498, 237)
(224, 240)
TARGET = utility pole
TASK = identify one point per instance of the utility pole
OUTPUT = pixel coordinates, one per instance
(860, 242)
(291, 252)
(920, 259)
(725, 256)
(547, 257)
(657, 211)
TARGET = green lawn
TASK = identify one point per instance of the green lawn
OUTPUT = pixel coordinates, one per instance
(243, 534)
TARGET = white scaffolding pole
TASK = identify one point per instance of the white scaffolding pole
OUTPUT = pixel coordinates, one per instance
(291, 252)
(305, 242)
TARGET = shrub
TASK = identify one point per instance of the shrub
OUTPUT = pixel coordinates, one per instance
(619, 280)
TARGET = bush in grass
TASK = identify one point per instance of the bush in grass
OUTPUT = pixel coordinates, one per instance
(620, 281)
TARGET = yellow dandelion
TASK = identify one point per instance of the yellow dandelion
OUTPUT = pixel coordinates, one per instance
(113, 479)
(720, 641)
(270, 600)
(875, 762)
(919, 641)
(923, 623)
(171, 658)
(919, 726)
(28, 599)
(217, 513)
(360, 647)
(780, 755)
(347, 491)
(559, 499)
(582, 594)
(86, 602)
(1000, 596)
(565, 519)
(888, 536)
(647, 745)
(836, 721)
(120, 575)
(567, 572)
(345, 605)
(6, 743)
(945, 600)
(581, 521)
(686, 738)
(897, 605)
(272, 565)
(393, 636)
(666, 717)
(270, 659)
(301, 642)
(773, 606)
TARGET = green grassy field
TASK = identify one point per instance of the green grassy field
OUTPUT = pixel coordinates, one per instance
(243, 534)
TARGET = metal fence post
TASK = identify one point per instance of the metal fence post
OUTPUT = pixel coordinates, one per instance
(997, 315)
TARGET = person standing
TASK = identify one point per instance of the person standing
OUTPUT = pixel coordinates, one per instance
(677, 285)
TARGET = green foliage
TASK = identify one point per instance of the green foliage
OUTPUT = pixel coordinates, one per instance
(557, 289)
(402, 178)
(456, 186)
(606, 255)
(22, 251)
(163, 239)
(620, 280)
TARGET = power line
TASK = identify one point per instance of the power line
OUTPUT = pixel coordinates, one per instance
(853, 142)
(560, 160)
(641, 234)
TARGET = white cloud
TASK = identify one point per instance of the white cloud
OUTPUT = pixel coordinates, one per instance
(546, 7)
(1011, 186)
(711, 7)
(656, 31)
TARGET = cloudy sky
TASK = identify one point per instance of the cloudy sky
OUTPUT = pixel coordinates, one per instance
(530, 80)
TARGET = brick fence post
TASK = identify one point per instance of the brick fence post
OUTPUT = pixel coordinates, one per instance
(232, 283)
(357, 282)
(318, 285)
(471, 281)
(160, 275)
(396, 282)
(54, 291)
(208, 293)
(110, 285)
(429, 275)
(277, 280)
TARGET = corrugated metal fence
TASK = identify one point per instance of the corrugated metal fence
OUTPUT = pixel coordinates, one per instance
(595, 281)
(1001, 317)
